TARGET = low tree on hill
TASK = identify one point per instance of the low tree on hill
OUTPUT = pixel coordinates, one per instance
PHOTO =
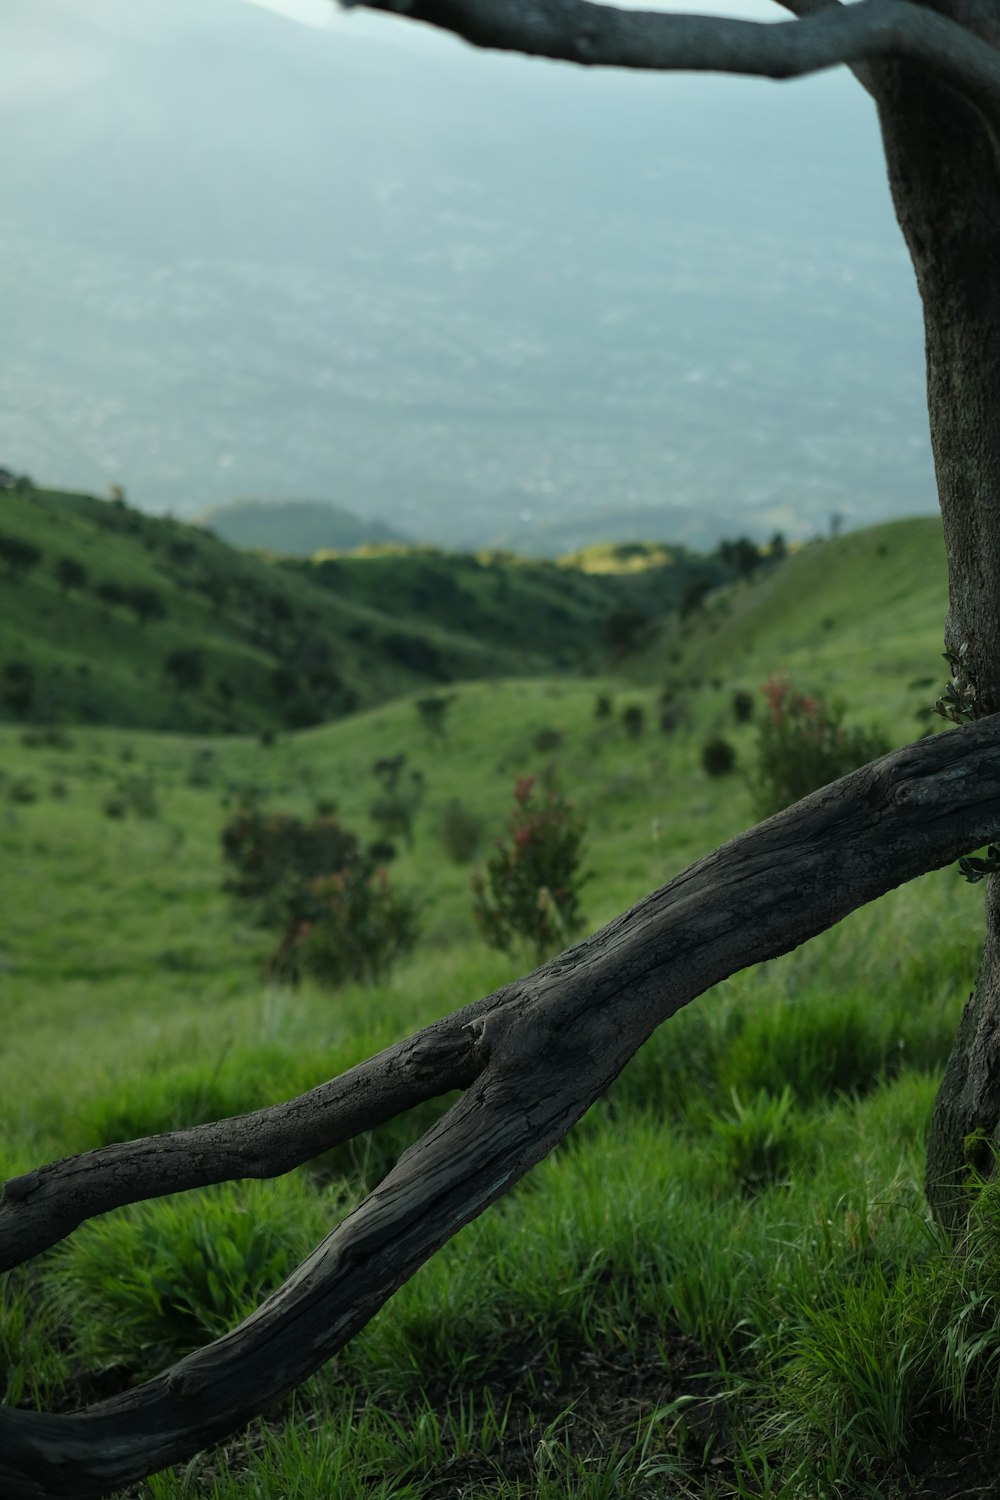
(693, 597)
(19, 556)
(530, 1058)
(111, 593)
(625, 629)
(17, 687)
(741, 555)
(70, 574)
(145, 603)
(185, 667)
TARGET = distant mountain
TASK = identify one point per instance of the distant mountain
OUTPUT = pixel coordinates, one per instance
(295, 528)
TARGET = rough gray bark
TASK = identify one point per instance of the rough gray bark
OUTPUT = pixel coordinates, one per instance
(533, 1057)
(944, 171)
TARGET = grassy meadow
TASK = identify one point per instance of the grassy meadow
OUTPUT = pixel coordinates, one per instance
(724, 1283)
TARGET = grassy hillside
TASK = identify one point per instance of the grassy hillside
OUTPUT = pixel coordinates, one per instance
(112, 616)
(861, 617)
(521, 604)
(722, 1285)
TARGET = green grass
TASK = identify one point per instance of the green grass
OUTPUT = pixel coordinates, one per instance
(724, 1283)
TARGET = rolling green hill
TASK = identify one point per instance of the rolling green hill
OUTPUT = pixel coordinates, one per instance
(295, 528)
(108, 615)
(520, 604)
(861, 617)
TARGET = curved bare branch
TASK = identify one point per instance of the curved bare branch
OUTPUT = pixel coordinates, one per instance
(802, 8)
(548, 1047)
(42, 1207)
(594, 35)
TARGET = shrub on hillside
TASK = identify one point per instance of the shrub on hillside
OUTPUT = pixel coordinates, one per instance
(546, 740)
(742, 706)
(461, 831)
(718, 758)
(18, 556)
(339, 917)
(803, 744)
(145, 603)
(273, 855)
(185, 667)
(70, 574)
(634, 720)
(625, 629)
(17, 686)
(530, 888)
(201, 772)
(393, 814)
(433, 710)
(110, 593)
(388, 769)
(139, 795)
(46, 737)
(358, 926)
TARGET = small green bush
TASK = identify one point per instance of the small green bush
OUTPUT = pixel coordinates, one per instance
(46, 737)
(634, 720)
(718, 758)
(358, 927)
(433, 710)
(201, 772)
(530, 888)
(802, 745)
(547, 740)
(742, 706)
(274, 855)
(461, 832)
(135, 795)
(393, 814)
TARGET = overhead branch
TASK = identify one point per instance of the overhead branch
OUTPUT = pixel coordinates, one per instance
(593, 35)
(544, 1050)
(802, 8)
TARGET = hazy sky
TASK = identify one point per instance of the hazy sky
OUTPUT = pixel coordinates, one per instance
(480, 297)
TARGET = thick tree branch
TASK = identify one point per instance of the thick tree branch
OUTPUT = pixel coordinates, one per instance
(41, 1207)
(594, 35)
(543, 1051)
(802, 8)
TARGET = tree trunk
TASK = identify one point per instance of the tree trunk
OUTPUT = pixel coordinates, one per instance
(944, 172)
